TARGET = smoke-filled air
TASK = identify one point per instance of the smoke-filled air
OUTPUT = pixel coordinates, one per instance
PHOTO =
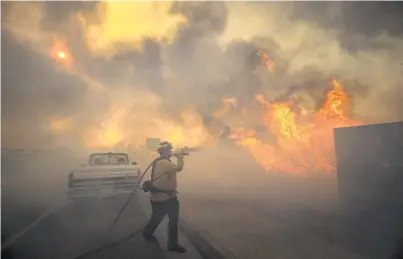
(253, 89)
(279, 76)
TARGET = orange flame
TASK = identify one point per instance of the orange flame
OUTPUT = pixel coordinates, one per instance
(303, 143)
(265, 60)
(227, 104)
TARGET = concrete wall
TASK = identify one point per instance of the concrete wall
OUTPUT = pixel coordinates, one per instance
(370, 182)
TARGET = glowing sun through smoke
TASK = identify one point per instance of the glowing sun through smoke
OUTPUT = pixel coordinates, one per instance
(61, 55)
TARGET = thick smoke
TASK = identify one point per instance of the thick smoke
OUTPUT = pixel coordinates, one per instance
(130, 78)
(160, 69)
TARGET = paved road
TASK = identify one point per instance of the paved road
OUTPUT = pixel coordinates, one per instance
(253, 216)
(279, 224)
(71, 231)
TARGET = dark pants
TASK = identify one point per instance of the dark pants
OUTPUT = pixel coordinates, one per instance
(170, 207)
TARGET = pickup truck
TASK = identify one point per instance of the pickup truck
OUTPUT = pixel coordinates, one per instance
(106, 174)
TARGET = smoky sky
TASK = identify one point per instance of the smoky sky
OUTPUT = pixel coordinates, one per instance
(203, 72)
(354, 19)
(361, 17)
(32, 89)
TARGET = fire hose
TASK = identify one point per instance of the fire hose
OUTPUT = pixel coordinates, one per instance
(181, 152)
(132, 193)
(121, 212)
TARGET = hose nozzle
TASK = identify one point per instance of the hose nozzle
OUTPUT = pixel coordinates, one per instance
(185, 151)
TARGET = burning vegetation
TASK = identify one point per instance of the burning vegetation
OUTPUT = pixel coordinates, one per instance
(302, 142)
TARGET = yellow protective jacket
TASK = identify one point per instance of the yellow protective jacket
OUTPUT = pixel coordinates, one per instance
(165, 179)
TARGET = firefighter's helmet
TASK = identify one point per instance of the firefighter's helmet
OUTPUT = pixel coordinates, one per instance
(164, 145)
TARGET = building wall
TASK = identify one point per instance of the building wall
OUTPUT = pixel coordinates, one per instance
(370, 182)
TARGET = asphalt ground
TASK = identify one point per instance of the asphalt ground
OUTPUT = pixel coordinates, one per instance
(73, 230)
(239, 208)
(306, 224)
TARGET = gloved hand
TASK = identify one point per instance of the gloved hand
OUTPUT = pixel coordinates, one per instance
(179, 153)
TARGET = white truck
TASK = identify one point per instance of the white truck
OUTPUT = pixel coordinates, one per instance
(106, 174)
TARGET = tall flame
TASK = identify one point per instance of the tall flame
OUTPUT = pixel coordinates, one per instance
(265, 60)
(336, 102)
(303, 144)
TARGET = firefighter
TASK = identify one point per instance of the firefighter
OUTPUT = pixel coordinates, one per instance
(163, 196)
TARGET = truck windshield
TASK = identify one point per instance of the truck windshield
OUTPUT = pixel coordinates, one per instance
(106, 159)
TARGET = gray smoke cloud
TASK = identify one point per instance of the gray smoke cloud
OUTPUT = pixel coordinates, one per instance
(179, 79)
(161, 70)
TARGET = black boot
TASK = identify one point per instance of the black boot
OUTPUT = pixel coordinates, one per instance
(177, 248)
